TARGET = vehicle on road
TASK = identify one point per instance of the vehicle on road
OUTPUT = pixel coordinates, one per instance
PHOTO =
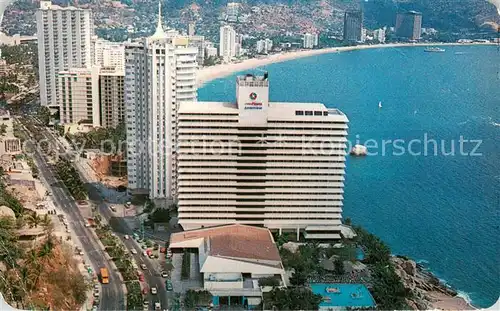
(157, 305)
(143, 267)
(164, 274)
(87, 225)
(154, 291)
(145, 305)
(96, 293)
(133, 251)
(104, 276)
(126, 237)
(151, 256)
(168, 284)
(145, 254)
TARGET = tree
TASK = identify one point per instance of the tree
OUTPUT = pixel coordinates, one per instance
(298, 278)
(292, 298)
(44, 115)
(339, 266)
(348, 221)
(160, 215)
(33, 220)
(194, 298)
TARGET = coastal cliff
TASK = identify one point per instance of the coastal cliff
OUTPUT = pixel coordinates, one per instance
(428, 291)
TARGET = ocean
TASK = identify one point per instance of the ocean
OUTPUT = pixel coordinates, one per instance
(434, 194)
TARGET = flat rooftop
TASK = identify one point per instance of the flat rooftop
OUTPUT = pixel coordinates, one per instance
(276, 110)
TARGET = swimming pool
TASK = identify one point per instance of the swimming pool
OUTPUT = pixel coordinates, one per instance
(343, 295)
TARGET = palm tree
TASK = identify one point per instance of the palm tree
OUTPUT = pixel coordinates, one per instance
(33, 220)
(48, 226)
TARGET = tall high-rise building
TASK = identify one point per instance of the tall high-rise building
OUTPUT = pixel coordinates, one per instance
(199, 43)
(109, 54)
(379, 35)
(191, 29)
(409, 25)
(227, 43)
(309, 40)
(272, 164)
(232, 11)
(64, 42)
(160, 76)
(353, 26)
(111, 96)
(264, 46)
(78, 98)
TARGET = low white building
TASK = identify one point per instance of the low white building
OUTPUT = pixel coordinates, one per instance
(9, 144)
(232, 259)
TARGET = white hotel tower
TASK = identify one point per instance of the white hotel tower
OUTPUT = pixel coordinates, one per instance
(160, 75)
(64, 36)
(277, 165)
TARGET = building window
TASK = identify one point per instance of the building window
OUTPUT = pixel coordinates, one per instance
(318, 113)
(309, 113)
(299, 112)
(325, 113)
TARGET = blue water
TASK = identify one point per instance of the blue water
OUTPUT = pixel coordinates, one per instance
(440, 210)
(349, 295)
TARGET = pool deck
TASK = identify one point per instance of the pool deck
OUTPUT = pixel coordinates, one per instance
(348, 295)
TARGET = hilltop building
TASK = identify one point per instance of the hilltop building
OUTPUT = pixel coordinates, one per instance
(232, 259)
(353, 26)
(64, 42)
(232, 11)
(160, 77)
(247, 162)
(227, 43)
(409, 25)
(191, 29)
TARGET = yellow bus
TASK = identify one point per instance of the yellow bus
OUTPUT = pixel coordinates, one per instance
(104, 276)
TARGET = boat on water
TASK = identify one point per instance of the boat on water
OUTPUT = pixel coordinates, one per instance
(380, 104)
(434, 50)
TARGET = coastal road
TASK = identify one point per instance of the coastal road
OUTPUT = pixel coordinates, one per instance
(112, 295)
(152, 275)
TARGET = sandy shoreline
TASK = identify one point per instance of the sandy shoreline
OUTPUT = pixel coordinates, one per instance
(223, 70)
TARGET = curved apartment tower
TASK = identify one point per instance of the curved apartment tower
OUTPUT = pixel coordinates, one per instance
(255, 162)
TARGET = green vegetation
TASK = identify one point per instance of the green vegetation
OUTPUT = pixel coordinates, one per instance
(269, 281)
(9, 200)
(194, 298)
(134, 296)
(110, 140)
(70, 177)
(43, 114)
(388, 289)
(186, 265)
(292, 298)
(33, 167)
(160, 215)
(41, 275)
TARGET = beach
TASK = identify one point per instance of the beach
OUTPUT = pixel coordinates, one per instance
(207, 74)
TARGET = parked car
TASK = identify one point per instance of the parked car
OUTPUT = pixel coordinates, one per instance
(157, 305)
(164, 274)
(133, 251)
(126, 237)
(168, 284)
(154, 291)
(144, 267)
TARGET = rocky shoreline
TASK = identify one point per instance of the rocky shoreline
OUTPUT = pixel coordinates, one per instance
(428, 291)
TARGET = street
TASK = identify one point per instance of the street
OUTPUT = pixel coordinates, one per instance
(152, 275)
(112, 295)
